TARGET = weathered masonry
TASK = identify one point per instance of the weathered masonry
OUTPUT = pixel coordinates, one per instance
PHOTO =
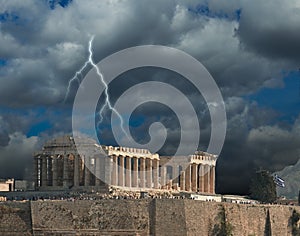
(142, 217)
(59, 166)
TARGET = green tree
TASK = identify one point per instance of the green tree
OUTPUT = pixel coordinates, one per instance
(263, 187)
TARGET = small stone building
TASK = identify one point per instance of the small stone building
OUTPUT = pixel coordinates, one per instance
(7, 185)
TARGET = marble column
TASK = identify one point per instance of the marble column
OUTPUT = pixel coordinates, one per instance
(54, 171)
(182, 181)
(163, 176)
(128, 172)
(149, 173)
(188, 178)
(135, 172)
(201, 178)
(212, 179)
(142, 172)
(194, 177)
(87, 176)
(36, 171)
(155, 173)
(114, 174)
(44, 171)
(65, 171)
(175, 174)
(49, 171)
(97, 170)
(121, 172)
(206, 179)
(76, 171)
(92, 170)
(60, 167)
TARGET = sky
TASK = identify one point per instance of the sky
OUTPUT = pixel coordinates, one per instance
(251, 49)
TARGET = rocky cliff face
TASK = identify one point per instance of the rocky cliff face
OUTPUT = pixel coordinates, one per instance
(291, 175)
(142, 217)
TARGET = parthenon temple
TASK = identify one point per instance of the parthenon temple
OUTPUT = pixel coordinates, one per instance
(59, 166)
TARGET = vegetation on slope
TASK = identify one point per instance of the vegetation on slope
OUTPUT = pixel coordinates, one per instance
(263, 188)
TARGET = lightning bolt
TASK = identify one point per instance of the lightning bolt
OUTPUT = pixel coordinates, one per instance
(75, 78)
(100, 75)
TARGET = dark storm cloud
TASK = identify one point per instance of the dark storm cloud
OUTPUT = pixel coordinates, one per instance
(42, 49)
(4, 135)
(236, 71)
(271, 28)
(251, 143)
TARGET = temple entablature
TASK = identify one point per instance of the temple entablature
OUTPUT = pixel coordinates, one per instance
(130, 152)
(203, 158)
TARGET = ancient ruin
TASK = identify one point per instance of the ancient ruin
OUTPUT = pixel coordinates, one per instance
(59, 166)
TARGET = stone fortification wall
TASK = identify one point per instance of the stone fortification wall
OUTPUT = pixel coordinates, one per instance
(141, 217)
(15, 218)
(253, 220)
(105, 217)
(167, 217)
(194, 218)
(246, 220)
